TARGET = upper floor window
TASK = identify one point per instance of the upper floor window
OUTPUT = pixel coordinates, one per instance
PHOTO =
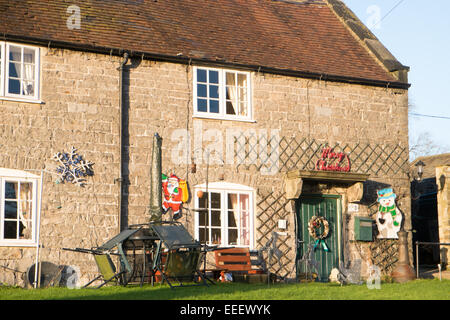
(222, 94)
(19, 71)
(18, 207)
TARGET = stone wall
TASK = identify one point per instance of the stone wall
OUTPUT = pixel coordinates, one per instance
(80, 94)
(443, 202)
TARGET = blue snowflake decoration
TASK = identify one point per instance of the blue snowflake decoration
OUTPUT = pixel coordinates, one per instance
(72, 168)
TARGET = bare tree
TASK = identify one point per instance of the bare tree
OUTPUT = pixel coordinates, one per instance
(423, 145)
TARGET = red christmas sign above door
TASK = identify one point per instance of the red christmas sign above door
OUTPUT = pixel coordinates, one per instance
(333, 161)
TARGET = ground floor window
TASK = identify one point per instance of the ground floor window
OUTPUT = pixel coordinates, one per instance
(224, 215)
(18, 203)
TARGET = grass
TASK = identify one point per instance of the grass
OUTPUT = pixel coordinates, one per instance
(413, 290)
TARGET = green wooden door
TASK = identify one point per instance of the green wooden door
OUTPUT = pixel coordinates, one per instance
(328, 207)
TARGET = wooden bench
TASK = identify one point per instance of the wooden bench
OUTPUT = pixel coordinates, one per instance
(238, 262)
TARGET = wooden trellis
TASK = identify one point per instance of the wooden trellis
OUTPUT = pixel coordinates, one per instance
(384, 252)
(272, 207)
(288, 153)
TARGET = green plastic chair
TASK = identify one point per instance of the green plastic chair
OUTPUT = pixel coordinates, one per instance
(107, 270)
(182, 266)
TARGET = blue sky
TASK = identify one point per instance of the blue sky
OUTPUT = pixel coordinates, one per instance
(416, 32)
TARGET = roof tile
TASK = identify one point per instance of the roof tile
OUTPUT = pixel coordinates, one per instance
(284, 35)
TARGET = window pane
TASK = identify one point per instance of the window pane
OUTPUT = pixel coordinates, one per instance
(216, 236)
(232, 201)
(214, 106)
(203, 219)
(215, 200)
(245, 237)
(213, 77)
(201, 75)
(25, 230)
(10, 210)
(243, 109)
(244, 219)
(28, 88)
(232, 219)
(14, 70)
(232, 236)
(28, 55)
(14, 86)
(242, 80)
(230, 108)
(10, 230)
(216, 219)
(231, 79)
(214, 92)
(242, 94)
(201, 90)
(10, 190)
(15, 53)
(25, 210)
(203, 235)
(202, 105)
(28, 70)
(231, 93)
(243, 202)
(202, 200)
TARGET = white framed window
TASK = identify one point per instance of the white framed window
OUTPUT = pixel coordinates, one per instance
(2, 68)
(224, 214)
(222, 94)
(19, 71)
(18, 207)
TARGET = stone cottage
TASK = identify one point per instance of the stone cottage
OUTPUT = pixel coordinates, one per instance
(278, 111)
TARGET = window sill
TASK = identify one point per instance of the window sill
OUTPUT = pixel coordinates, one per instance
(200, 116)
(21, 100)
(18, 244)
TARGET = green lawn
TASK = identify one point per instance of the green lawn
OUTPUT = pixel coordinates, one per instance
(413, 290)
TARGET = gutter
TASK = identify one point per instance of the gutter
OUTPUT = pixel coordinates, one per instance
(121, 129)
(214, 62)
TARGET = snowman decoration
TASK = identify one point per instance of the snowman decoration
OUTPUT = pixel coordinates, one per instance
(389, 217)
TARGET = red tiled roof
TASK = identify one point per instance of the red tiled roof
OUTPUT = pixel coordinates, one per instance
(282, 35)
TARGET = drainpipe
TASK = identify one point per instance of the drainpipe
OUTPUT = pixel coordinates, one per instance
(121, 126)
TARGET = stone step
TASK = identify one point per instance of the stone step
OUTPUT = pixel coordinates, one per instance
(434, 274)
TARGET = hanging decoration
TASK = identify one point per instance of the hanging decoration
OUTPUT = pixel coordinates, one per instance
(319, 228)
(175, 193)
(72, 167)
(389, 218)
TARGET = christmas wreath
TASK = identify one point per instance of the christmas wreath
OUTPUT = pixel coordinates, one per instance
(319, 228)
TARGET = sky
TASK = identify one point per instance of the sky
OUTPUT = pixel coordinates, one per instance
(416, 32)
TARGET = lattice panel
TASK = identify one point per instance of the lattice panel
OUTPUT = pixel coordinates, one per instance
(272, 207)
(384, 252)
(287, 153)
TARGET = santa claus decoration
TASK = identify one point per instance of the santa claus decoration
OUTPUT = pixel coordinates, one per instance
(175, 193)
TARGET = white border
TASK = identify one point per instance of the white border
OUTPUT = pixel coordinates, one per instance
(223, 188)
(2, 68)
(222, 93)
(19, 176)
(37, 79)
